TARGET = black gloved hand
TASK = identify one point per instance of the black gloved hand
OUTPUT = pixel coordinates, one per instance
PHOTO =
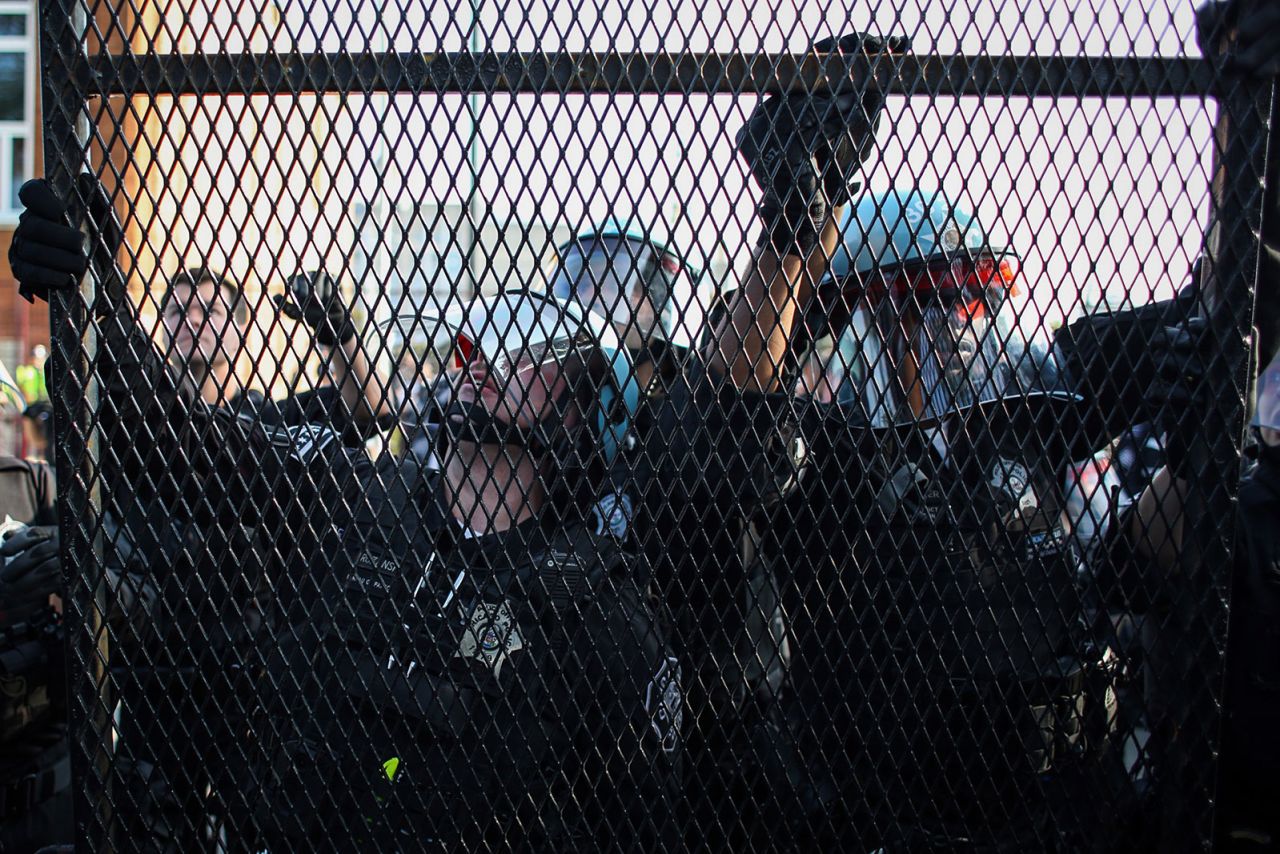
(804, 149)
(780, 142)
(30, 570)
(1105, 357)
(49, 252)
(1253, 26)
(850, 146)
(314, 299)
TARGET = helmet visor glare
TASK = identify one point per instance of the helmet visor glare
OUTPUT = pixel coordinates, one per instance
(624, 280)
(513, 333)
(987, 276)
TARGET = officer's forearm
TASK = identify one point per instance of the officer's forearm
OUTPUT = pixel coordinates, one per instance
(1156, 522)
(820, 262)
(751, 341)
(365, 397)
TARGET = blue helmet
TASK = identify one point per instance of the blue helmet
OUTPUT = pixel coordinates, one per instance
(924, 280)
(633, 278)
(904, 228)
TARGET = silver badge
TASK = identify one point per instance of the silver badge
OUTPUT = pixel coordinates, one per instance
(1014, 481)
(951, 237)
(491, 636)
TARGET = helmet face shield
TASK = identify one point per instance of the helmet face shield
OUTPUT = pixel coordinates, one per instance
(923, 340)
(644, 292)
(513, 335)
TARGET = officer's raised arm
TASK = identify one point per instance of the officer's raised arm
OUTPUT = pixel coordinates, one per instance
(803, 150)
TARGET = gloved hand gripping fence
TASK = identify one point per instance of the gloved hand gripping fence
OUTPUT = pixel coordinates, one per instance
(30, 569)
(803, 151)
(49, 251)
(1252, 28)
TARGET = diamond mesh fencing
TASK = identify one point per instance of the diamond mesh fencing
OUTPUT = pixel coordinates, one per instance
(697, 426)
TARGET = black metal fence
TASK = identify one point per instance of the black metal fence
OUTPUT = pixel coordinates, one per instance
(828, 541)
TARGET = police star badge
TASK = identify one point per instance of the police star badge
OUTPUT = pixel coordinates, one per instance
(491, 635)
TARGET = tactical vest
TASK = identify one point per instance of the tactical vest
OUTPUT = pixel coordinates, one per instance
(944, 651)
(436, 677)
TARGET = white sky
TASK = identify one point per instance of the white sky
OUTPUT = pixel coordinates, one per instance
(1097, 196)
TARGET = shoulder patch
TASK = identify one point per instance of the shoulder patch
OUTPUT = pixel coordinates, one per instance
(1014, 481)
(612, 514)
(308, 440)
(665, 705)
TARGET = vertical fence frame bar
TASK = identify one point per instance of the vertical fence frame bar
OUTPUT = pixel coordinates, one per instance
(65, 126)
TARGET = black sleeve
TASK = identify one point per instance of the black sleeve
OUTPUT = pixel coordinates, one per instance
(723, 450)
(145, 409)
(630, 712)
(325, 405)
(1106, 358)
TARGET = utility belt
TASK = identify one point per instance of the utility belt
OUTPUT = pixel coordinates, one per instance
(30, 673)
(50, 775)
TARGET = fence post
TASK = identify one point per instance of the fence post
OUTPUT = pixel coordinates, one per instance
(74, 393)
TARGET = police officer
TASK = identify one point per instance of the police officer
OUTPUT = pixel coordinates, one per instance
(478, 666)
(701, 540)
(195, 528)
(942, 668)
(35, 765)
(204, 316)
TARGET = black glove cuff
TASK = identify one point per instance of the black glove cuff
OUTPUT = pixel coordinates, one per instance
(784, 236)
(334, 332)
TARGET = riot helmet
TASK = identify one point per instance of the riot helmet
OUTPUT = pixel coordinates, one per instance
(634, 279)
(925, 286)
(507, 340)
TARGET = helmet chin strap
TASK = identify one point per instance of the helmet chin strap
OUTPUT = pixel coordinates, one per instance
(471, 422)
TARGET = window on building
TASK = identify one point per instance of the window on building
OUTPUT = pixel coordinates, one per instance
(17, 101)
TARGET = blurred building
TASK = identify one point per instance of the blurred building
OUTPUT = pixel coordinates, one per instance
(412, 263)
